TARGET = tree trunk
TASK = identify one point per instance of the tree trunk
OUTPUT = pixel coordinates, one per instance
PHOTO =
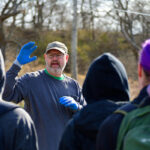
(74, 42)
(92, 20)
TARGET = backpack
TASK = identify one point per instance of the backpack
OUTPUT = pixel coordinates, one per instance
(134, 132)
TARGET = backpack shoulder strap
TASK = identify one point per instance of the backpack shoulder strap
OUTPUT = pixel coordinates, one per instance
(125, 109)
(119, 111)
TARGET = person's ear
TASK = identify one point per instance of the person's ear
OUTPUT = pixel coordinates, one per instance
(44, 55)
(139, 70)
(67, 57)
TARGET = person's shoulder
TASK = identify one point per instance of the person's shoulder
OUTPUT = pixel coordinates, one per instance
(117, 116)
(19, 117)
(70, 79)
(20, 112)
(6, 106)
(34, 74)
(127, 107)
(11, 111)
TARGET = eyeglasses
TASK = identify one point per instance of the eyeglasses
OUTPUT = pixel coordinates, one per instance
(55, 55)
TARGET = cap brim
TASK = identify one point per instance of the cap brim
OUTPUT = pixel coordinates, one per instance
(56, 48)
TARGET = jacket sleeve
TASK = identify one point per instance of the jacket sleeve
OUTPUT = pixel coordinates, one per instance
(15, 88)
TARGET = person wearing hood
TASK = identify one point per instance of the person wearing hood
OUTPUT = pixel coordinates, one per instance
(105, 85)
(109, 129)
(17, 131)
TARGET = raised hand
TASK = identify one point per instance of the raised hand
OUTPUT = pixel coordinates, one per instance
(25, 52)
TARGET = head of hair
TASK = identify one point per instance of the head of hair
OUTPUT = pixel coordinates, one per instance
(145, 55)
(145, 58)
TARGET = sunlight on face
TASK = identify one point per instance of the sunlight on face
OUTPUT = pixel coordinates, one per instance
(55, 62)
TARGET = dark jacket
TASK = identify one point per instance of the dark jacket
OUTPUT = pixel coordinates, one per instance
(108, 131)
(17, 131)
(105, 84)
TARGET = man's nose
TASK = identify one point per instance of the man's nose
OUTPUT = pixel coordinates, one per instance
(54, 57)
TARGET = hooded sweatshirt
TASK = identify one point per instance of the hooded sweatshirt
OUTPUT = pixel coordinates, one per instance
(105, 89)
(17, 131)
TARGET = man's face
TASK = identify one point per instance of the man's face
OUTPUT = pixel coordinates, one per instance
(55, 62)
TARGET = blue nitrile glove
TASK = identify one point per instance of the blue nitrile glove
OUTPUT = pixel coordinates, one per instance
(68, 101)
(25, 52)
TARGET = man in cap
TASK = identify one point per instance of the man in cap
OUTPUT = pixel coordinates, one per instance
(50, 97)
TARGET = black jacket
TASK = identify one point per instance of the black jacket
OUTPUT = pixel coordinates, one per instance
(17, 131)
(105, 84)
(108, 131)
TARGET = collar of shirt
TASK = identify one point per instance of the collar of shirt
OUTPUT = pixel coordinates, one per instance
(58, 78)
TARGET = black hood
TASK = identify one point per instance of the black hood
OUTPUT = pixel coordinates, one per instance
(106, 79)
(2, 73)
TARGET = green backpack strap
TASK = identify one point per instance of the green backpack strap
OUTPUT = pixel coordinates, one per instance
(119, 111)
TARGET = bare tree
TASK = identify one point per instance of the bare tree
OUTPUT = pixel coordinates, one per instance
(23, 19)
(9, 8)
(38, 18)
(74, 42)
(134, 25)
(92, 19)
(88, 14)
(84, 15)
(48, 13)
(50, 7)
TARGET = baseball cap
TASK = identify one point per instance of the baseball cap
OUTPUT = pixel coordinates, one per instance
(57, 46)
(145, 55)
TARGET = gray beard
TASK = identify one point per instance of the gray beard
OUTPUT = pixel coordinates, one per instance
(57, 71)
